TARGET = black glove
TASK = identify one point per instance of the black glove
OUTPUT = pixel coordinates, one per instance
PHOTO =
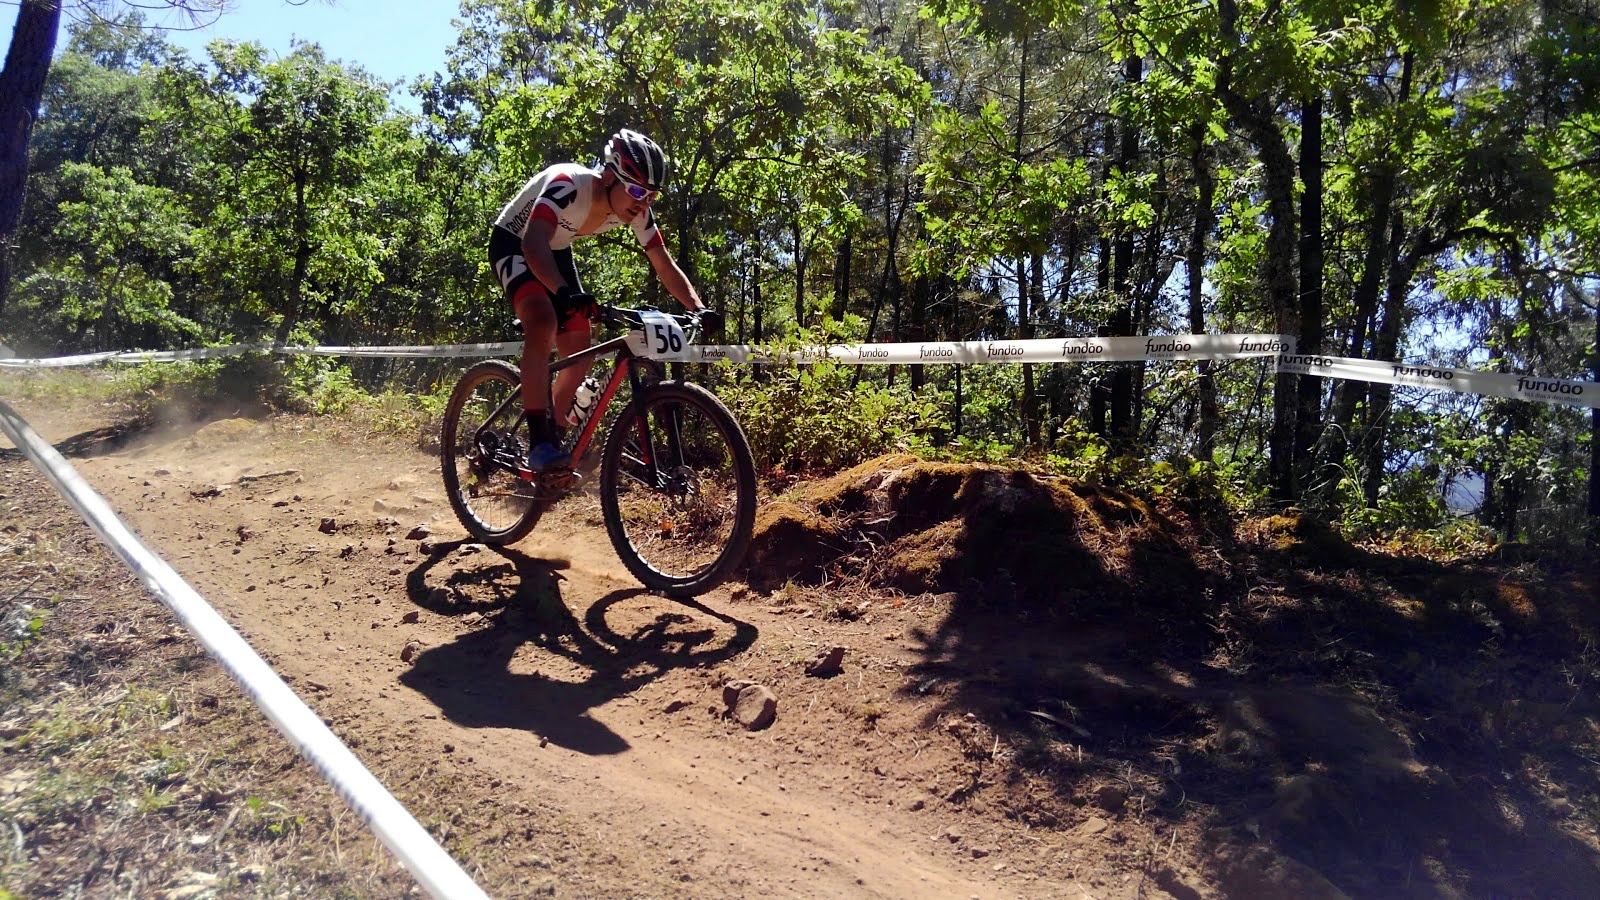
(570, 302)
(711, 322)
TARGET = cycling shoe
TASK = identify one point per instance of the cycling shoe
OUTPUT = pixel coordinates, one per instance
(547, 457)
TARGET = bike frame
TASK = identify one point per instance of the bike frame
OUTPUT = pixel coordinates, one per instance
(624, 367)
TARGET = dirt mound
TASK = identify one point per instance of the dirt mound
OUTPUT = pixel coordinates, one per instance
(924, 527)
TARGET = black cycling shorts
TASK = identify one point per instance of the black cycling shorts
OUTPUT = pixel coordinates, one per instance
(505, 257)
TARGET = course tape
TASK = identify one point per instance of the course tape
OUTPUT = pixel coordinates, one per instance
(1051, 350)
(135, 356)
(1462, 381)
(433, 868)
(1567, 392)
(418, 351)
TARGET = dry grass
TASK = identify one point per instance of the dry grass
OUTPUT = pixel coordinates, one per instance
(132, 765)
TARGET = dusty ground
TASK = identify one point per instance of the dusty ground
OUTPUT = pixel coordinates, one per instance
(1265, 724)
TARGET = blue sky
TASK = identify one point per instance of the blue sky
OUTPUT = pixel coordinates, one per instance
(395, 40)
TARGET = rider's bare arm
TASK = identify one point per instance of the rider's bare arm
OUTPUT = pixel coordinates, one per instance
(536, 250)
(671, 276)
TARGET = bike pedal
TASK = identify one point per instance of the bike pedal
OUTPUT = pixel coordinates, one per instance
(552, 486)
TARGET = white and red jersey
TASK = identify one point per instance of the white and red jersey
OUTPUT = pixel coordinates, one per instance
(563, 195)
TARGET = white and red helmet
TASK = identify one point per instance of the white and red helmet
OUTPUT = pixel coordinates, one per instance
(637, 159)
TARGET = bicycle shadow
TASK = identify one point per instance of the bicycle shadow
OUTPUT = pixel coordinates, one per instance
(94, 442)
(489, 678)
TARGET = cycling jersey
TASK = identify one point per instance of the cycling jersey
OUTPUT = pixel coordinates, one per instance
(563, 195)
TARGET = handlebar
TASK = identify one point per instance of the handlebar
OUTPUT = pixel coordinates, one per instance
(693, 322)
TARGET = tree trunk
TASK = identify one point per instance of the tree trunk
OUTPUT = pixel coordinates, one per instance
(741, 336)
(841, 278)
(1594, 437)
(1030, 400)
(959, 402)
(800, 277)
(1204, 221)
(1375, 259)
(302, 261)
(919, 327)
(889, 281)
(1064, 380)
(1030, 423)
(1309, 412)
(1154, 273)
(1099, 391)
(1386, 347)
(1489, 509)
(33, 41)
(1256, 118)
(1122, 379)
(755, 304)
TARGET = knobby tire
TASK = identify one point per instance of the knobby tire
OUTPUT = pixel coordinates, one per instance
(494, 485)
(624, 497)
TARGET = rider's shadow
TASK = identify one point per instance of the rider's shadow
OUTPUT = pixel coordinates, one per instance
(472, 681)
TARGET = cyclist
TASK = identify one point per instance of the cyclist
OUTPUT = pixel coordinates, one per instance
(530, 249)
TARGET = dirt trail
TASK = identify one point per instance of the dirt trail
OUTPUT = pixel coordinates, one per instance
(1049, 689)
(571, 720)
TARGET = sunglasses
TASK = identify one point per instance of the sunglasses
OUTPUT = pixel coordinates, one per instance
(637, 192)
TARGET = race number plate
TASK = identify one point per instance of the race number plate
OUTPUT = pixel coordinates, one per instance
(660, 338)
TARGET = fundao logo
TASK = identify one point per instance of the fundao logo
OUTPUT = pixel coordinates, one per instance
(1168, 346)
(1316, 362)
(1272, 346)
(1422, 372)
(1542, 386)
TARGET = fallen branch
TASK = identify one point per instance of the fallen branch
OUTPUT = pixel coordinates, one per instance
(246, 479)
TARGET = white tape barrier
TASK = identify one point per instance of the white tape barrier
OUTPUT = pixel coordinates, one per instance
(1461, 381)
(55, 362)
(421, 351)
(433, 868)
(1178, 347)
(135, 357)
(1114, 349)
(1052, 350)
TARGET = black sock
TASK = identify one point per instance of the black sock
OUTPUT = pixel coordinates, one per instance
(538, 427)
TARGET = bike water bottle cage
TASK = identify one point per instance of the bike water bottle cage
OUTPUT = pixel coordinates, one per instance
(584, 401)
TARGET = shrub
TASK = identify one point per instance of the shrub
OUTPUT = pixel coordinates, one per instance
(811, 418)
(157, 389)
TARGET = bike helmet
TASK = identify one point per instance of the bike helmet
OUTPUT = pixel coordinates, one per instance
(636, 158)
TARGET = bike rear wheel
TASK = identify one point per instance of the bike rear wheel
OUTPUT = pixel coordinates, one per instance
(678, 489)
(479, 448)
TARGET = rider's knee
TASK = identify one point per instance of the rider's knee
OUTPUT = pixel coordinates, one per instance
(578, 329)
(541, 326)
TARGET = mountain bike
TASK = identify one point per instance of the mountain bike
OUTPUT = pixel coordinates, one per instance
(676, 478)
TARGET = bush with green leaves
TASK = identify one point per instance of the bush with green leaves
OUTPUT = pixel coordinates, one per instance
(159, 389)
(319, 385)
(817, 418)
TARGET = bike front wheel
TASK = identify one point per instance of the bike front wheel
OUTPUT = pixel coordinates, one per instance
(479, 449)
(678, 489)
